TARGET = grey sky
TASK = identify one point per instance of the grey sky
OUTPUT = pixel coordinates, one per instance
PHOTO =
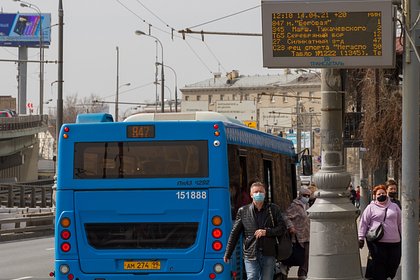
(94, 28)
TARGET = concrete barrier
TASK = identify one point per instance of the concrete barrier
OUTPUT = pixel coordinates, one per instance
(25, 223)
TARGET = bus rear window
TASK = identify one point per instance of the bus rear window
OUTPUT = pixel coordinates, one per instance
(159, 159)
(142, 235)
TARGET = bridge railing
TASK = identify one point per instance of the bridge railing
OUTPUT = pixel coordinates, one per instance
(23, 122)
(26, 195)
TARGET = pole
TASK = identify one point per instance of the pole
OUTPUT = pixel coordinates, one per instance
(41, 66)
(410, 143)
(162, 85)
(41, 54)
(333, 230)
(59, 121)
(22, 80)
(298, 135)
(162, 75)
(117, 86)
(176, 85)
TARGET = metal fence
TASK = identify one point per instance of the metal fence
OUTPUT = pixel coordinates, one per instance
(31, 195)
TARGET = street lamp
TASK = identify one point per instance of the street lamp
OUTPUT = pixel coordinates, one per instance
(162, 85)
(41, 52)
(118, 86)
(176, 85)
(116, 98)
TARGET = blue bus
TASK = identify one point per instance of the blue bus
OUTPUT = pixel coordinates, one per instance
(154, 197)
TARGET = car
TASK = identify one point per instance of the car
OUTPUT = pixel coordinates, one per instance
(6, 113)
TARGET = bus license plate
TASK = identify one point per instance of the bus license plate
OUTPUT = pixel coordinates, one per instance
(141, 265)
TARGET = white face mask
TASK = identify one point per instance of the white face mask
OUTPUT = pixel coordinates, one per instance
(305, 200)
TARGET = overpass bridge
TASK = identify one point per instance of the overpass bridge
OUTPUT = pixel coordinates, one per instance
(19, 147)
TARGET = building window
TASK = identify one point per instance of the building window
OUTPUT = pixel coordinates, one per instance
(187, 97)
(198, 97)
(222, 97)
(210, 99)
(285, 100)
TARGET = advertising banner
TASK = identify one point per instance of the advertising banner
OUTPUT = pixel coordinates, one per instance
(24, 30)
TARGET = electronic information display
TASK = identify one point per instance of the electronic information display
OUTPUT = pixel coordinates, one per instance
(328, 34)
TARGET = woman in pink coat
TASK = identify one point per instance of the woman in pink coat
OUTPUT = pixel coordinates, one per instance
(384, 254)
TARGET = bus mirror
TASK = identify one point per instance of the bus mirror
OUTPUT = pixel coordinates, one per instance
(307, 165)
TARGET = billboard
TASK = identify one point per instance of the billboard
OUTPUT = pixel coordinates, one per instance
(24, 30)
(242, 111)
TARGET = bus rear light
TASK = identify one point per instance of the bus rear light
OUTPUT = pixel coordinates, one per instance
(212, 276)
(217, 245)
(65, 136)
(66, 129)
(218, 268)
(216, 126)
(217, 233)
(65, 222)
(70, 276)
(217, 133)
(216, 220)
(65, 234)
(65, 247)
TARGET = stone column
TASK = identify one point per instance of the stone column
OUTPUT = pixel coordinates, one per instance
(334, 251)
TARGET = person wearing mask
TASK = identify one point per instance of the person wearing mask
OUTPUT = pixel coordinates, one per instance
(384, 254)
(253, 221)
(313, 190)
(392, 191)
(298, 216)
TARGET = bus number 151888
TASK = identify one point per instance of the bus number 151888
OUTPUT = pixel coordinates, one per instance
(191, 195)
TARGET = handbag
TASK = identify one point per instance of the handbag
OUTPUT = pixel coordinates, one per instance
(298, 255)
(283, 243)
(376, 234)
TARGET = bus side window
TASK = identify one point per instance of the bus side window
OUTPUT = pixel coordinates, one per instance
(235, 201)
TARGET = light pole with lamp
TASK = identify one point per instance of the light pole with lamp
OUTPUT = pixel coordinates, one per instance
(118, 86)
(41, 52)
(176, 85)
(162, 85)
(117, 100)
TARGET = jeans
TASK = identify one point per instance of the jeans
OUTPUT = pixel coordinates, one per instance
(262, 268)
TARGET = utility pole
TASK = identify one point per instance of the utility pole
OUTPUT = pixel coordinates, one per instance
(59, 121)
(410, 142)
(118, 84)
(298, 134)
(333, 235)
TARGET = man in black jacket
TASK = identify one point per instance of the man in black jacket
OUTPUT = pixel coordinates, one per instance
(259, 245)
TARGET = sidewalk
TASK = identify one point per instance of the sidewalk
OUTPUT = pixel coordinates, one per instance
(363, 258)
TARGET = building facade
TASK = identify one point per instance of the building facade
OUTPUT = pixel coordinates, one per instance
(288, 104)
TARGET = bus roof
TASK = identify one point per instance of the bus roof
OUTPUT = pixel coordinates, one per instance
(196, 116)
(94, 118)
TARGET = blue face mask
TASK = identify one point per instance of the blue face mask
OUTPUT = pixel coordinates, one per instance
(258, 197)
(305, 200)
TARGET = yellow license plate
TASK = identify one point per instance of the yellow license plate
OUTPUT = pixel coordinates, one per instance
(142, 265)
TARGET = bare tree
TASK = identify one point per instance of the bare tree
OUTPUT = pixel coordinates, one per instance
(74, 106)
(376, 93)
